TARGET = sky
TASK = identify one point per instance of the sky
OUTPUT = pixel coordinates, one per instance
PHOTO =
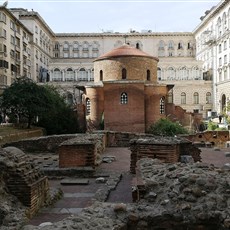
(96, 16)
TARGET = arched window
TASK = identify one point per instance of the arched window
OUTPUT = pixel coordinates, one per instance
(69, 99)
(180, 45)
(82, 75)
(183, 98)
(208, 98)
(219, 26)
(69, 75)
(162, 105)
(159, 74)
(171, 45)
(66, 46)
(124, 98)
(88, 105)
(161, 49)
(124, 73)
(56, 46)
(101, 75)
(183, 73)
(196, 98)
(171, 74)
(148, 75)
(57, 75)
(137, 45)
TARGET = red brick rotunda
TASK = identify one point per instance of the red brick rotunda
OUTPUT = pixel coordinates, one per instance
(125, 95)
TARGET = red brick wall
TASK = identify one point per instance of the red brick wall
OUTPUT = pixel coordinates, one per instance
(128, 117)
(76, 155)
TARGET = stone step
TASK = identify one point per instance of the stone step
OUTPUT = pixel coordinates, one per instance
(76, 181)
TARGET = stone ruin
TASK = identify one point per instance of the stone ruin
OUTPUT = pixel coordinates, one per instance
(23, 179)
(168, 194)
(177, 196)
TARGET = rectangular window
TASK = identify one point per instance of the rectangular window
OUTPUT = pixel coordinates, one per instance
(2, 17)
(225, 59)
(225, 45)
(220, 48)
(12, 40)
(2, 33)
(220, 61)
(12, 25)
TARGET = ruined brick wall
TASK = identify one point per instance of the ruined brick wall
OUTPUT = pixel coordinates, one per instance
(74, 153)
(23, 179)
(50, 143)
(166, 149)
(216, 138)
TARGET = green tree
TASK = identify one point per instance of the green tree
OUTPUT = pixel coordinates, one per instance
(24, 99)
(165, 127)
(60, 118)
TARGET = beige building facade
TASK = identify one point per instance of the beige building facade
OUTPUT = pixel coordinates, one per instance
(213, 49)
(66, 59)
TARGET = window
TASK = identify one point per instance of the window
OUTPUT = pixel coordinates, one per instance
(88, 105)
(124, 98)
(220, 48)
(171, 45)
(12, 25)
(162, 105)
(12, 40)
(124, 73)
(56, 46)
(148, 75)
(36, 29)
(69, 75)
(170, 97)
(137, 46)
(66, 55)
(180, 45)
(83, 75)
(220, 61)
(196, 98)
(225, 59)
(2, 33)
(57, 75)
(225, 45)
(66, 46)
(2, 17)
(101, 75)
(208, 98)
(183, 98)
(159, 74)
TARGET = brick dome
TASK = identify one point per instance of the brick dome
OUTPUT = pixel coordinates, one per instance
(125, 51)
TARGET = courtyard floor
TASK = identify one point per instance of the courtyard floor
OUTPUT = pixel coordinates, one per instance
(77, 197)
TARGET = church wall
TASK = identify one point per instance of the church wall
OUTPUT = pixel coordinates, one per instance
(124, 117)
(153, 94)
(112, 68)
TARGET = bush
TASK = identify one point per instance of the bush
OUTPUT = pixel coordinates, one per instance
(165, 127)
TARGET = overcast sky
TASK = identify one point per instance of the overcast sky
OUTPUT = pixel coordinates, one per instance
(117, 15)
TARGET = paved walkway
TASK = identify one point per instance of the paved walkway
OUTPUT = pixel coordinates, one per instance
(76, 197)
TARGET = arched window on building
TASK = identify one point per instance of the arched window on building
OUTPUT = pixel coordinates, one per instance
(124, 74)
(208, 98)
(85, 50)
(183, 73)
(56, 46)
(137, 45)
(170, 97)
(219, 27)
(101, 75)
(57, 75)
(66, 46)
(159, 74)
(161, 49)
(196, 73)
(148, 75)
(88, 106)
(75, 50)
(69, 74)
(224, 21)
(180, 45)
(196, 98)
(183, 98)
(82, 75)
(124, 98)
(162, 105)
(95, 49)
(69, 99)
(171, 45)
(171, 74)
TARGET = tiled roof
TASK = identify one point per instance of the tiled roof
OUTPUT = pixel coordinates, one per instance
(125, 51)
